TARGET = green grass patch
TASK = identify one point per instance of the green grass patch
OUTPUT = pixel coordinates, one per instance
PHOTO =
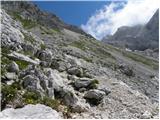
(28, 38)
(4, 62)
(43, 46)
(142, 59)
(5, 50)
(27, 23)
(49, 31)
(31, 97)
(53, 103)
(22, 64)
(79, 44)
(88, 59)
(8, 92)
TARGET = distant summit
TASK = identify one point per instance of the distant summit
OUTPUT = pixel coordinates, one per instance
(137, 37)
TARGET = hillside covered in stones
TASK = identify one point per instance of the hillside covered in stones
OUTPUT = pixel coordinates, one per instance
(50, 69)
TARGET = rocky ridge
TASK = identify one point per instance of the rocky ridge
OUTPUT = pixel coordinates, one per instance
(139, 37)
(73, 74)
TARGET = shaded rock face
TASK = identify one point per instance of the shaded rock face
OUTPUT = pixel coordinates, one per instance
(38, 111)
(137, 37)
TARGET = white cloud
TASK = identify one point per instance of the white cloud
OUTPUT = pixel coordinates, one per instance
(123, 13)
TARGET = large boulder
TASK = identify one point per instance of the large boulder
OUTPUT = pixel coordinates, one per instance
(13, 67)
(94, 96)
(38, 111)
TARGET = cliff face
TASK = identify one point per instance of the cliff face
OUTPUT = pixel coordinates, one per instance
(70, 72)
(137, 37)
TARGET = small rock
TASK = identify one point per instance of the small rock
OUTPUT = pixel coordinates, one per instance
(72, 77)
(75, 71)
(13, 67)
(146, 115)
(45, 64)
(44, 55)
(11, 76)
(85, 83)
(82, 89)
(82, 83)
(94, 96)
(106, 90)
(80, 107)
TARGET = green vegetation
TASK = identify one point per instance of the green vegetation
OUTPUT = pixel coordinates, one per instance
(28, 38)
(88, 59)
(5, 50)
(53, 103)
(27, 23)
(79, 44)
(31, 97)
(142, 59)
(8, 92)
(94, 84)
(35, 98)
(22, 64)
(43, 46)
(49, 31)
(4, 62)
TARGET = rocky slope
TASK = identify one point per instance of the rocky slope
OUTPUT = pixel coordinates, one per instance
(137, 37)
(71, 72)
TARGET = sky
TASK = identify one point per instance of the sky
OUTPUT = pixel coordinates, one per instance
(101, 18)
(75, 13)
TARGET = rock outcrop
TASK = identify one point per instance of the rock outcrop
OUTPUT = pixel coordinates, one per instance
(30, 112)
(137, 37)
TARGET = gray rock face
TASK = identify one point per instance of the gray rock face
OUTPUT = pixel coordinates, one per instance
(94, 96)
(137, 37)
(18, 56)
(13, 67)
(10, 31)
(38, 111)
